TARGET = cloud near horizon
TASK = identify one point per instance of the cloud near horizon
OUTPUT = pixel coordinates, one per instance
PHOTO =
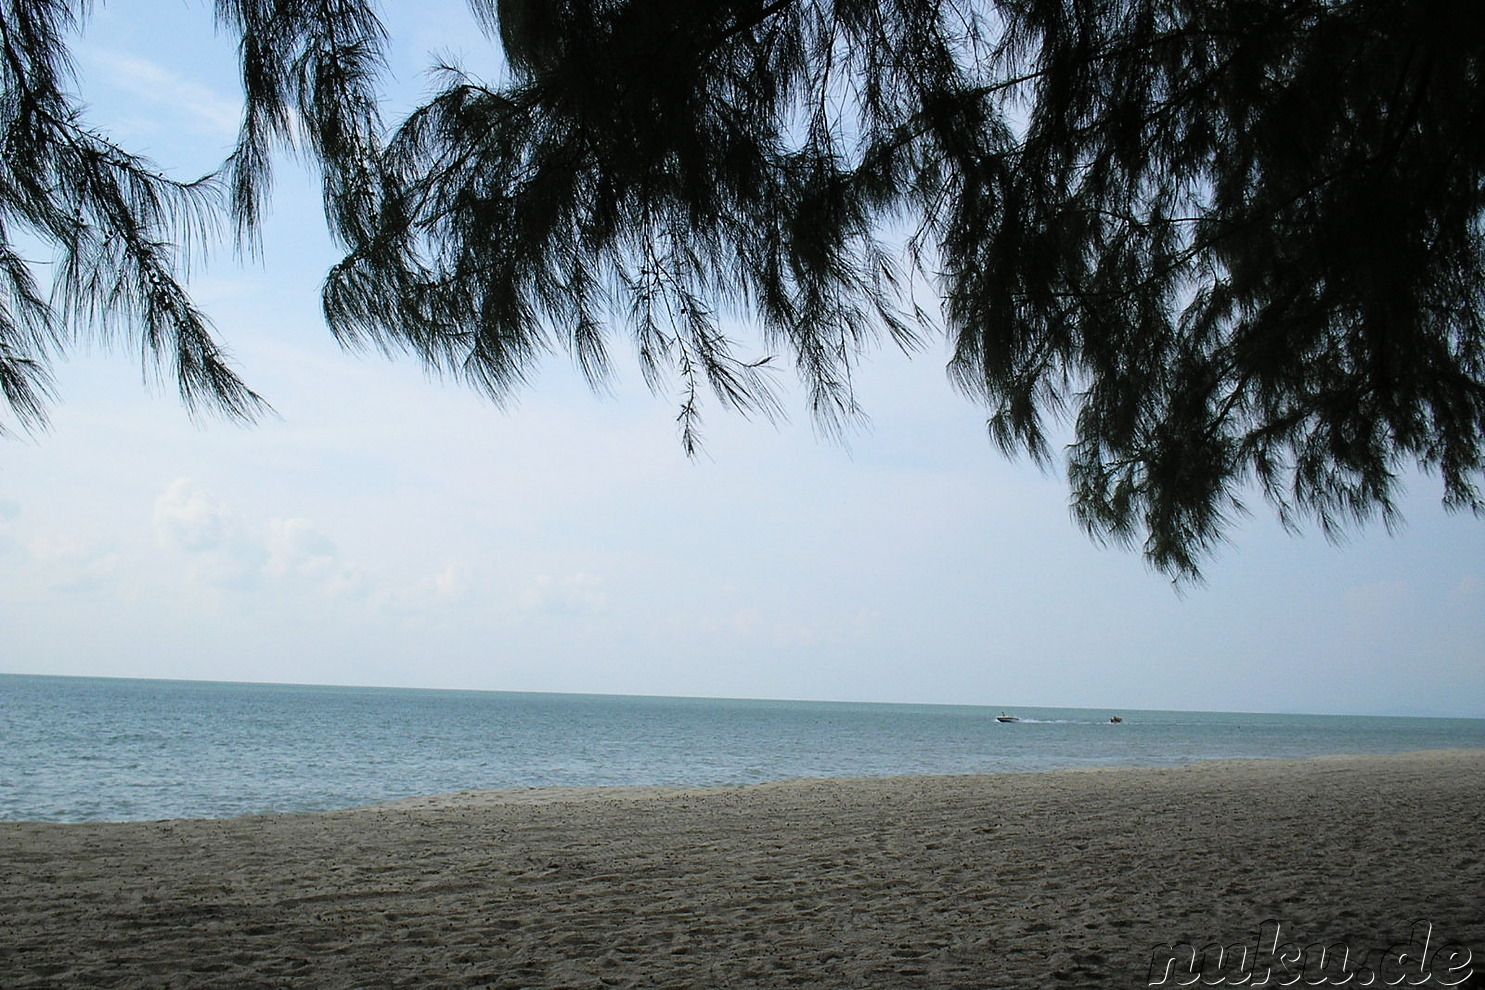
(573, 595)
(226, 551)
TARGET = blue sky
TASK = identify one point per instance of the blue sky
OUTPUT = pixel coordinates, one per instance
(385, 528)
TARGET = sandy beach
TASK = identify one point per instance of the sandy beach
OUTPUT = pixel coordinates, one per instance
(1066, 879)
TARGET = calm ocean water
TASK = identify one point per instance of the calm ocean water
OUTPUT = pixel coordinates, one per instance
(93, 749)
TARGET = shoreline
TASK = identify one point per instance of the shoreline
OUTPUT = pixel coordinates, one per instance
(560, 793)
(537, 795)
(1055, 878)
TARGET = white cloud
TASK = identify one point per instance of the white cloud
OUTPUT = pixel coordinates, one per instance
(197, 107)
(298, 551)
(227, 551)
(452, 583)
(67, 563)
(222, 550)
(295, 546)
(289, 553)
(189, 519)
(56, 560)
(452, 586)
(577, 594)
(347, 581)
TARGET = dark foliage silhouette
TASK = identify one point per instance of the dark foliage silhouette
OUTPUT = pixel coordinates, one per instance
(1236, 246)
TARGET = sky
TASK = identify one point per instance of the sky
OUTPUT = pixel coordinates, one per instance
(387, 528)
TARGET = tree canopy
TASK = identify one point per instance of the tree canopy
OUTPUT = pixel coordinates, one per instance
(1235, 247)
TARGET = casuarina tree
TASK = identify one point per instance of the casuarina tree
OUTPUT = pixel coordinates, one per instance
(1227, 248)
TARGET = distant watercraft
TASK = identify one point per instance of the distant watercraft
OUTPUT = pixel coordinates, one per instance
(1003, 717)
(1116, 720)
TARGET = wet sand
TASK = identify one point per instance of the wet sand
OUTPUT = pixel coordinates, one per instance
(1066, 879)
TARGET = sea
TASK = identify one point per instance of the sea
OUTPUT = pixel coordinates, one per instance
(76, 749)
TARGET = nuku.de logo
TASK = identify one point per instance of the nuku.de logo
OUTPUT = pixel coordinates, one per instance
(1270, 962)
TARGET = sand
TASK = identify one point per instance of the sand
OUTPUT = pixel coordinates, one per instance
(1066, 879)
